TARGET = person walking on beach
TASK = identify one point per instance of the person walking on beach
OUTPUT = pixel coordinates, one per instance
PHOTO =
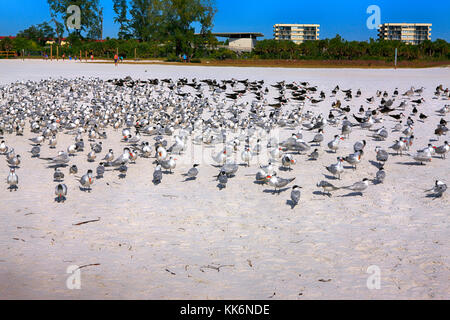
(64, 56)
(184, 58)
(116, 58)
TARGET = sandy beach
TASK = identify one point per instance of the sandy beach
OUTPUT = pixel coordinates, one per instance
(188, 240)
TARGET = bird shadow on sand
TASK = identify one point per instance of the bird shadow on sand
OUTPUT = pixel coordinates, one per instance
(285, 169)
(434, 196)
(60, 199)
(375, 164)
(85, 189)
(276, 191)
(221, 186)
(411, 163)
(291, 203)
(321, 193)
(330, 152)
(261, 183)
(57, 166)
(352, 194)
(330, 177)
(189, 179)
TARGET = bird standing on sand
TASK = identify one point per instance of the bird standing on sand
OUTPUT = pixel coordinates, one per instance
(58, 175)
(382, 155)
(381, 175)
(314, 155)
(334, 144)
(443, 150)
(318, 138)
(192, 173)
(61, 192)
(278, 182)
(87, 180)
(223, 179)
(109, 156)
(12, 180)
(295, 195)
(337, 168)
(438, 189)
(73, 169)
(100, 170)
(328, 187)
(288, 161)
(359, 186)
(157, 175)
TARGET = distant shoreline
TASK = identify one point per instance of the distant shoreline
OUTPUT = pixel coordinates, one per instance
(261, 63)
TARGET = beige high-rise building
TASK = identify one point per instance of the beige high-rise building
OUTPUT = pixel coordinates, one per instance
(412, 33)
(297, 33)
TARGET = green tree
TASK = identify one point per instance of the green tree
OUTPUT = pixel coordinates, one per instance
(121, 9)
(90, 15)
(39, 33)
(146, 19)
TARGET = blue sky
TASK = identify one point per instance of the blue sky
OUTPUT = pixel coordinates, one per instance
(344, 17)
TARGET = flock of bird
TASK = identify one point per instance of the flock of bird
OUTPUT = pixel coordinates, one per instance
(159, 118)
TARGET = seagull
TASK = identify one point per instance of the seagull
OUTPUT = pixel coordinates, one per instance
(318, 138)
(61, 192)
(326, 186)
(35, 151)
(246, 156)
(354, 158)
(382, 155)
(381, 175)
(295, 195)
(314, 155)
(12, 180)
(287, 161)
(157, 175)
(359, 186)
(277, 182)
(168, 164)
(223, 179)
(109, 156)
(337, 168)
(438, 189)
(192, 173)
(58, 175)
(359, 145)
(73, 169)
(100, 170)
(334, 144)
(87, 180)
(443, 150)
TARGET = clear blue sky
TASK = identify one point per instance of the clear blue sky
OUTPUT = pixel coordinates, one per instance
(344, 17)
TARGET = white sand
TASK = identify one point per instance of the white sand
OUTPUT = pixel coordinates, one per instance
(263, 245)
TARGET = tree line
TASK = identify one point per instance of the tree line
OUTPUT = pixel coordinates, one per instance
(339, 49)
(165, 29)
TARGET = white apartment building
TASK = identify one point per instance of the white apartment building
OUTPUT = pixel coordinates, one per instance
(297, 33)
(411, 33)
